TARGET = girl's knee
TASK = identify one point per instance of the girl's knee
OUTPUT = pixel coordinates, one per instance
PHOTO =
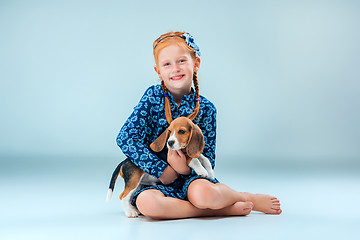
(148, 203)
(203, 194)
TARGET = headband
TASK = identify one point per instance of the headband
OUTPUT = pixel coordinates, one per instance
(188, 39)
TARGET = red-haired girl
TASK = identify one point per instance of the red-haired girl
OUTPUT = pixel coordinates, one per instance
(182, 194)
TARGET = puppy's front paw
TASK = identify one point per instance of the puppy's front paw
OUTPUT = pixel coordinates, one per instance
(132, 212)
(211, 174)
(202, 173)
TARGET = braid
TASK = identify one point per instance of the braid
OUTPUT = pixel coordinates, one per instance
(196, 85)
(166, 103)
(197, 107)
(163, 87)
(167, 107)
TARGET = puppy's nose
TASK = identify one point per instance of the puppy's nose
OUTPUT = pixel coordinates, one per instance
(171, 143)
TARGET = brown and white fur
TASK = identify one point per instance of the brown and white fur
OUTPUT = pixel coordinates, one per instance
(182, 134)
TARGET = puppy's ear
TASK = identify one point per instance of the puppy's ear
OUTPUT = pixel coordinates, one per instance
(160, 142)
(196, 142)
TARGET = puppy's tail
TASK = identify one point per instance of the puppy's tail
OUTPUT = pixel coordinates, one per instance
(112, 181)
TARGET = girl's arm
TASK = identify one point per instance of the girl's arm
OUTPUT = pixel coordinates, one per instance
(134, 136)
(207, 125)
(168, 176)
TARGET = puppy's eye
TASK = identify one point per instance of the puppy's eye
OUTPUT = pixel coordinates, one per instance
(181, 131)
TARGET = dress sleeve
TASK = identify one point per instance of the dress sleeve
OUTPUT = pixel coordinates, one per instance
(134, 137)
(208, 127)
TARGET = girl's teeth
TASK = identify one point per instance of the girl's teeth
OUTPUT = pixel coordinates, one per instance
(177, 77)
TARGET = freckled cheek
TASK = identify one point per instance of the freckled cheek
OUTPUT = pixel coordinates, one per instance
(164, 74)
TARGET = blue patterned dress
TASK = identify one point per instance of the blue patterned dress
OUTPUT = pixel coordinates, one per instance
(148, 121)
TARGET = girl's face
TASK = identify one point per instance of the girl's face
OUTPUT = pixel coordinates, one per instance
(176, 68)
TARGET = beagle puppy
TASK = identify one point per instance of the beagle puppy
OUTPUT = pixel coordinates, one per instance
(182, 134)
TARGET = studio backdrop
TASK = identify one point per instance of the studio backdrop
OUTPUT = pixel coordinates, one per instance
(284, 75)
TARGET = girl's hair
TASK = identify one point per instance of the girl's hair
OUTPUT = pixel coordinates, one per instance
(164, 41)
(171, 38)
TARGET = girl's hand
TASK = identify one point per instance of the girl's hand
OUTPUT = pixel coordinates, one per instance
(177, 160)
(168, 176)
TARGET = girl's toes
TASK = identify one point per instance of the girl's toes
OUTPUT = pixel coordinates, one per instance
(275, 211)
(276, 207)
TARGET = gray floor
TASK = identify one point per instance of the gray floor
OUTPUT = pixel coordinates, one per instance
(65, 199)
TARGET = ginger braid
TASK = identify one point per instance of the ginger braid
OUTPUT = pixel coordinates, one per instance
(197, 96)
(167, 103)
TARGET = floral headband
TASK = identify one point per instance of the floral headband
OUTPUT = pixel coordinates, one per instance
(189, 41)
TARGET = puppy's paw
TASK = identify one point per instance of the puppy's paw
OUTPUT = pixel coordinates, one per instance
(202, 173)
(132, 212)
(211, 174)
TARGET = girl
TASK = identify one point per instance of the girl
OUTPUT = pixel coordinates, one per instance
(182, 194)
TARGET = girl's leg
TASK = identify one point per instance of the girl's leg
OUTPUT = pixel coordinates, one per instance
(153, 203)
(204, 194)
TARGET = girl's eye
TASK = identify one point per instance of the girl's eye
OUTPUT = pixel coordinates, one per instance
(166, 64)
(181, 132)
(182, 60)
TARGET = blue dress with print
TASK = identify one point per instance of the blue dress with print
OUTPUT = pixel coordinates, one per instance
(148, 121)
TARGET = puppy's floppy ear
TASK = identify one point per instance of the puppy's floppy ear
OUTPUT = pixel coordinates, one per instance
(160, 142)
(196, 142)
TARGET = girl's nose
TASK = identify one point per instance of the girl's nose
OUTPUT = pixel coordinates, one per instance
(176, 68)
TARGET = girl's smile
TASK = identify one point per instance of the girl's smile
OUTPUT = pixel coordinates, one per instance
(177, 77)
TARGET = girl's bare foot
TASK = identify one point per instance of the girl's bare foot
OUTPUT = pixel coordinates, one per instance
(264, 203)
(239, 209)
